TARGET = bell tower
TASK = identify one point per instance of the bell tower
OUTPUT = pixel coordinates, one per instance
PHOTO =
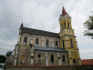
(68, 39)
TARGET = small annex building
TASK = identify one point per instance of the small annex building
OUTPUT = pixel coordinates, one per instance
(87, 61)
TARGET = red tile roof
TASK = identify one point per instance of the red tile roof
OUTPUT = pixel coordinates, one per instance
(87, 61)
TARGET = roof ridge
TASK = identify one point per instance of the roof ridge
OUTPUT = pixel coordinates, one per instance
(87, 59)
(41, 30)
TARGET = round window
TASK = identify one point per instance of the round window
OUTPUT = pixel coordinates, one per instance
(39, 55)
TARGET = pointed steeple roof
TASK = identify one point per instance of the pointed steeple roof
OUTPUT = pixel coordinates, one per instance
(21, 26)
(64, 11)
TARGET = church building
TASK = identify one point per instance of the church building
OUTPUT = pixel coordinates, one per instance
(42, 48)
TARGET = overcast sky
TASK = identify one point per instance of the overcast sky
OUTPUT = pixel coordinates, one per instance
(43, 15)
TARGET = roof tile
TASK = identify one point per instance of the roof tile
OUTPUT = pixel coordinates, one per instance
(87, 61)
(39, 32)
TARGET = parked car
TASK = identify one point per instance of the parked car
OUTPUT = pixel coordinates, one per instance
(2, 66)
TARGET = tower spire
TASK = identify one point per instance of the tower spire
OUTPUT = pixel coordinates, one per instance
(64, 11)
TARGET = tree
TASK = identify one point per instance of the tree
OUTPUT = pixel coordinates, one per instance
(2, 59)
(89, 26)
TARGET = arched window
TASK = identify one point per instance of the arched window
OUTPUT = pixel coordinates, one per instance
(61, 27)
(63, 58)
(25, 40)
(64, 25)
(71, 42)
(63, 45)
(52, 58)
(47, 43)
(68, 25)
(37, 41)
(74, 61)
(56, 43)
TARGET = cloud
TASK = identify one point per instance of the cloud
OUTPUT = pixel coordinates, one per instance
(43, 15)
(86, 53)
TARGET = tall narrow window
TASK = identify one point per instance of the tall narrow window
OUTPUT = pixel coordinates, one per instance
(74, 61)
(63, 45)
(63, 58)
(64, 25)
(56, 43)
(47, 43)
(52, 58)
(25, 40)
(61, 27)
(71, 42)
(68, 25)
(37, 41)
